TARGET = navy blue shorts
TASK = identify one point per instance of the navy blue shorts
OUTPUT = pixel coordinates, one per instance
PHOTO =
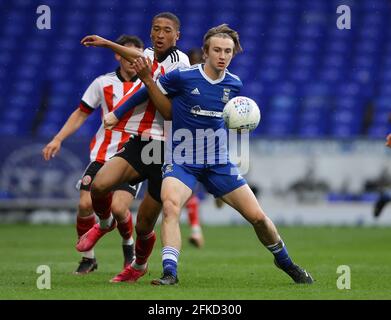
(218, 179)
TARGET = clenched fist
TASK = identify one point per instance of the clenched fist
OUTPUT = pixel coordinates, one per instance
(110, 120)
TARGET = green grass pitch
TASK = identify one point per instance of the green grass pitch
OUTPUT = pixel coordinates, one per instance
(232, 265)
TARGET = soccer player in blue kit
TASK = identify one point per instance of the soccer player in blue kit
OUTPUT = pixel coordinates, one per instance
(199, 95)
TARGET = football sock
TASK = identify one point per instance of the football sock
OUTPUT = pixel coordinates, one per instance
(128, 252)
(128, 242)
(106, 223)
(83, 224)
(144, 246)
(195, 230)
(102, 206)
(125, 228)
(170, 260)
(192, 207)
(281, 254)
(88, 254)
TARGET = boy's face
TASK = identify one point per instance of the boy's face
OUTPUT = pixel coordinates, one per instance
(163, 35)
(220, 53)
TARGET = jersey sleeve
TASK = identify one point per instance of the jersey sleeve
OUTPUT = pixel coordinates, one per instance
(239, 87)
(170, 83)
(91, 98)
(182, 63)
(148, 53)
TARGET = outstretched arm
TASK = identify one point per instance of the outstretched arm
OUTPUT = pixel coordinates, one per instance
(160, 101)
(151, 90)
(127, 53)
(74, 122)
(111, 119)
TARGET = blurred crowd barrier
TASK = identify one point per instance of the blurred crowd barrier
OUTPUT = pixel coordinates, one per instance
(299, 181)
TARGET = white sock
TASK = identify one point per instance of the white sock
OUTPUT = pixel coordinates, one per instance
(106, 223)
(138, 266)
(88, 254)
(196, 230)
(127, 242)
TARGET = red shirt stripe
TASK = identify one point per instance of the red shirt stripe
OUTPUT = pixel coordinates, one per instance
(103, 147)
(149, 115)
(92, 143)
(108, 94)
(123, 121)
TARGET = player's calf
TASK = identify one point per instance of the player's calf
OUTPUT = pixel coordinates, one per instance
(125, 228)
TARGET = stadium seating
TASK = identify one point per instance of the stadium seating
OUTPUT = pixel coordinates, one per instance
(310, 79)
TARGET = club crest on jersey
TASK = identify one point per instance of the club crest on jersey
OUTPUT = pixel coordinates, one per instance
(167, 168)
(225, 97)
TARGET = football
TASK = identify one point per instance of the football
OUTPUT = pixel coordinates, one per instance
(241, 113)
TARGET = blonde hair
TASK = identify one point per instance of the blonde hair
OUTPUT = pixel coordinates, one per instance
(222, 31)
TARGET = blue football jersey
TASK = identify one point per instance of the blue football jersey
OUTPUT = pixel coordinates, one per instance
(199, 135)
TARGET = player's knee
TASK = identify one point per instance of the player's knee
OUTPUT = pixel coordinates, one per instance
(99, 187)
(119, 210)
(170, 208)
(85, 207)
(259, 219)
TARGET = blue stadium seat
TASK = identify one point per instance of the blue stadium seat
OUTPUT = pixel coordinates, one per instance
(296, 63)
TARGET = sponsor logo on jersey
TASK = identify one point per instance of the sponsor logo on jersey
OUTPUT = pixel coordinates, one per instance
(198, 111)
(167, 168)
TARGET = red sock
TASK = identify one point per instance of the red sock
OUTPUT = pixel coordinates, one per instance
(102, 205)
(125, 227)
(144, 246)
(192, 207)
(83, 224)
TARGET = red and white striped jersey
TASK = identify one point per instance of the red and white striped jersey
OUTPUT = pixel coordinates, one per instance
(144, 118)
(105, 92)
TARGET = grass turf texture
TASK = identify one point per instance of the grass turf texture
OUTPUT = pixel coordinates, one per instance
(232, 265)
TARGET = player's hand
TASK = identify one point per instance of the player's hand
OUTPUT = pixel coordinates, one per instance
(110, 120)
(51, 149)
(388, 143)
(94, 40)
(143, 67)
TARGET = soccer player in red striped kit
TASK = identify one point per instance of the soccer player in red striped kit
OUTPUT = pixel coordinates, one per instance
(104, 92)
(146, 132)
